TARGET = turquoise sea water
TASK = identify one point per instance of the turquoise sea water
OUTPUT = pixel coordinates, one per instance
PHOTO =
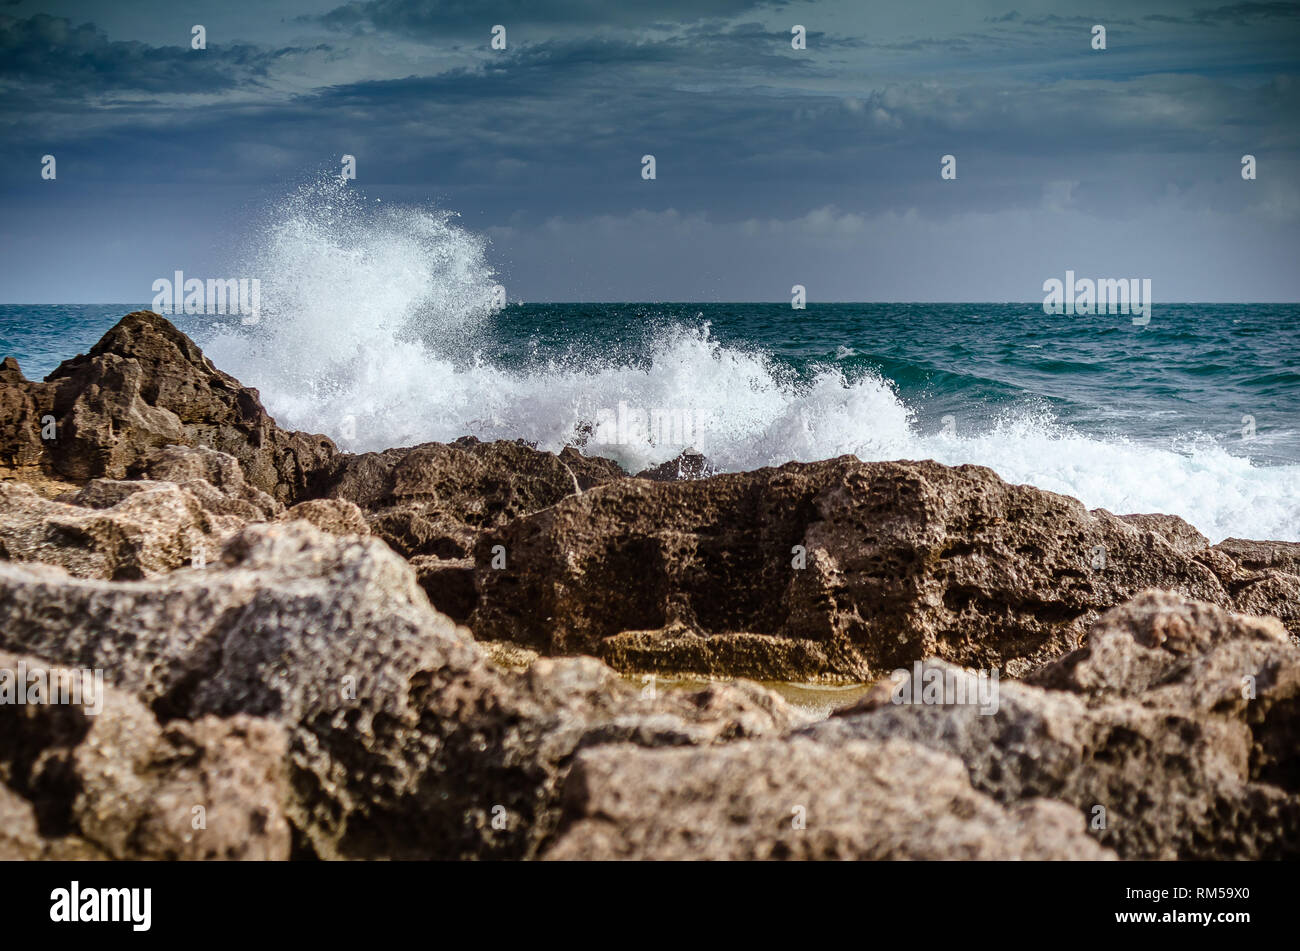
(1197, 413)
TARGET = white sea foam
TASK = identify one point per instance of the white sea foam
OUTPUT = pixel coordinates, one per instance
(371, 316)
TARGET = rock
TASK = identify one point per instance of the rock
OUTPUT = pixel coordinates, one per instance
(590, 471)
(21, 839)
(1257, 556)
(1171, 528)
(336, 516)
(1146, 728)
(404, 740)
(689, 464)
(143, 387)
(430, 502)
(435, 498)
(1149, 640)
(799, 799)
(111, 529)
(678, 648)
(102, 779)
(449, 583)
(1261, 577)
(900, 561)
(1273, 593)
(200, 469)
(21, 419)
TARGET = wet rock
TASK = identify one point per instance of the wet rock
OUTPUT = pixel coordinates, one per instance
(590, 471)
(836, 569)
(798, 799)
(143, 387)
(689, 464)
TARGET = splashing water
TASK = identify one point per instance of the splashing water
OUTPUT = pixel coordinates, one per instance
(377, 328)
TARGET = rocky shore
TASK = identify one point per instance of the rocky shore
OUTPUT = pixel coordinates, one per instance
(302, 648)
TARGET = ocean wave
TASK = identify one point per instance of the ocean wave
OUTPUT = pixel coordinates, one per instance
(374, 328)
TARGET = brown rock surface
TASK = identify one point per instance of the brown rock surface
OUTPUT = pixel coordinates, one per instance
(336, 516)
(82, 782)
(433, 499)
(145, 386)
(118, 530)
(798, 799)
(901, 560)
(404, 741)
(1149, 722)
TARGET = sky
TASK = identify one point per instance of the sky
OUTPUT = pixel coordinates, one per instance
(774, 166)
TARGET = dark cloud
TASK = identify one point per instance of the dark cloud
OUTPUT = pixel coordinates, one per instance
(72, 60)
(1237, 14)
(744, 128)
(461, 17)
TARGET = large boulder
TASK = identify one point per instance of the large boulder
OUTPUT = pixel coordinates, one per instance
(145, 386)
(430, 502)
(836, 569)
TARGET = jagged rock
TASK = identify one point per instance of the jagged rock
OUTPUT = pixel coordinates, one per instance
(798, 799)
(200, 470)
(211, 789)
(1258, 556)
(336, 516)
(433, 499)
(1151, 640)
(1260, 577)
(145, 386)
(404, 740)
(689, 464)
(112, 529)
(1275, 593)
(1172, 529)
(900, 560)
(1150, 722)
(103, 779)
(590, 471)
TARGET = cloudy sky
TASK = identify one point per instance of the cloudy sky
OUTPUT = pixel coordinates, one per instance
(774, 166)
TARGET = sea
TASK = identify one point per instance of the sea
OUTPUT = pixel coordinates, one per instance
(379, 328)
